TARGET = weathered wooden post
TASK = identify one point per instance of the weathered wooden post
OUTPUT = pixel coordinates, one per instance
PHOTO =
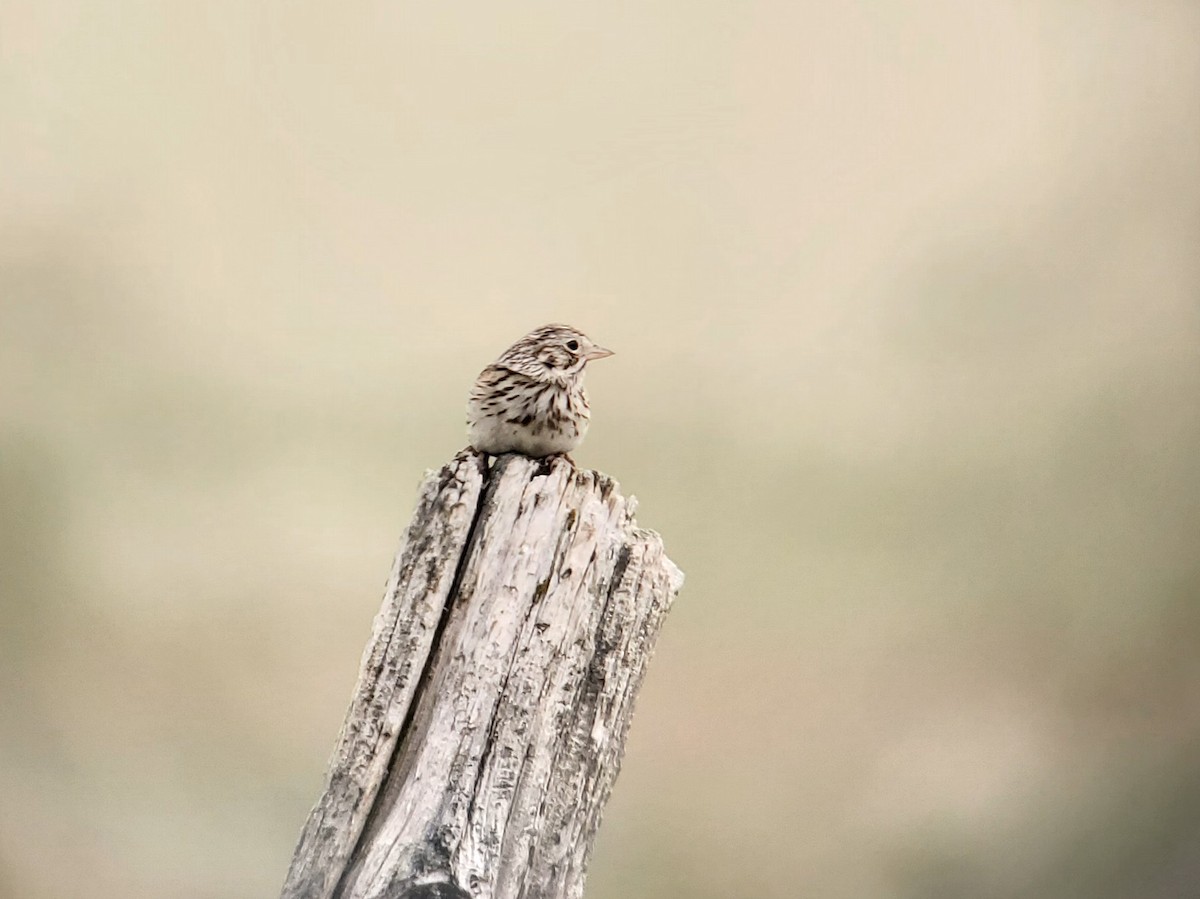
(495, 694)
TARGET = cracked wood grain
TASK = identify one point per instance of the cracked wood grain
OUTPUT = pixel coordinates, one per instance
(495, 693)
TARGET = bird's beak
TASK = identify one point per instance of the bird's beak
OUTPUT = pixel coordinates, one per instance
(597, 352)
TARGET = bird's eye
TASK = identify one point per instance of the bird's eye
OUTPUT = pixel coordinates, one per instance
(572, 345)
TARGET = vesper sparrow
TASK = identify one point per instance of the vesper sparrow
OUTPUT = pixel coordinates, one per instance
(531, 400)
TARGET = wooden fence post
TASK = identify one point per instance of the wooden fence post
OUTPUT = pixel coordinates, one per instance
(490, 715)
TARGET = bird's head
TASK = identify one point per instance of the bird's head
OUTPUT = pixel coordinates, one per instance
(552, 353)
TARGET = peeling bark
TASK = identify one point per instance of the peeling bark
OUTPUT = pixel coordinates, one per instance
(490, 715)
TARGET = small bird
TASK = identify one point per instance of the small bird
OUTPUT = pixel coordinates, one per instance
(531, 400)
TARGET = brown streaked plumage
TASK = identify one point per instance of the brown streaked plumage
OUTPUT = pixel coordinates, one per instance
(531, 400)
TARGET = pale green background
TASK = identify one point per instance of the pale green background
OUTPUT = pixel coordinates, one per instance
(906, 301)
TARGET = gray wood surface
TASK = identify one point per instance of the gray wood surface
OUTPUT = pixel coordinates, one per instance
(494, 697)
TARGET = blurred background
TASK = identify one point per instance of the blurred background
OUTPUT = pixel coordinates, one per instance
(906, 301)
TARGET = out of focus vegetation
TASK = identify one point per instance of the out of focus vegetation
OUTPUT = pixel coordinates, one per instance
(906, 299)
